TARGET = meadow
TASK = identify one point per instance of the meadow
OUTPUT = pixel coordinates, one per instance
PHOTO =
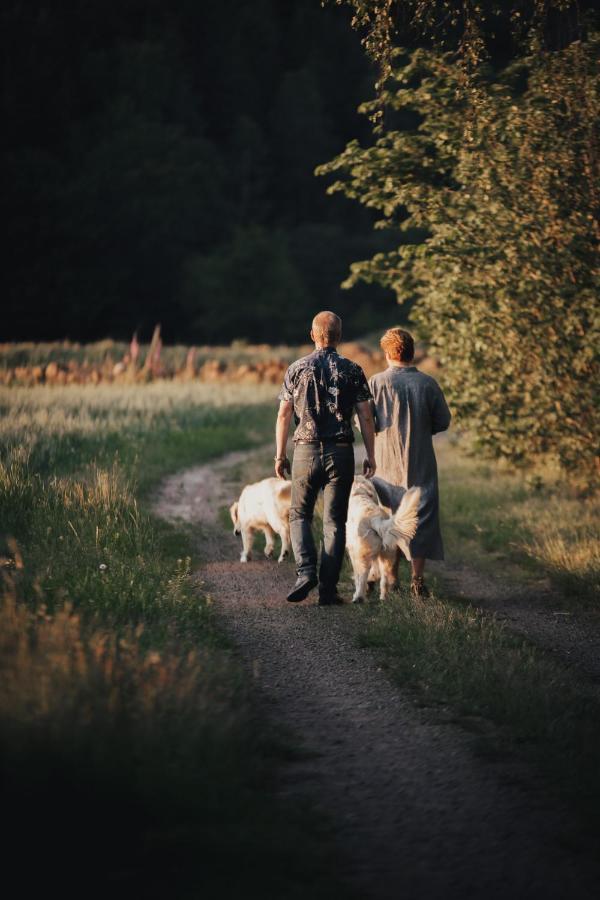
(123, 704)
(123, 707)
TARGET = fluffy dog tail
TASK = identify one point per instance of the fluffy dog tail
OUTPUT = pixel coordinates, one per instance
(398, 530)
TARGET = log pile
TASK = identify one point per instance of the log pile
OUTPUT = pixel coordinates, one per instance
(130, 370)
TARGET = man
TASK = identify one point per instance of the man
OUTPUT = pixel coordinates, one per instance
(322, 390)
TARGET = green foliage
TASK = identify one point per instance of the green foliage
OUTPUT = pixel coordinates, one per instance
(121, 704)
(142, 138)
(503, 178)
(475, 30)
(237, 289)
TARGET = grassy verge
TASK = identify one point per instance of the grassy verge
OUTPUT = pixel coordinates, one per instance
(497, 684)
(500, 521)
(132, 758)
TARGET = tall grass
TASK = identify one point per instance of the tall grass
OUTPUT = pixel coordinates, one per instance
(151, 429)
(123, 714)
(519, 528)
(35, 354)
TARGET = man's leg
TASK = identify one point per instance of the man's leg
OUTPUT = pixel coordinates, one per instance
(306, 482)
(339, 475)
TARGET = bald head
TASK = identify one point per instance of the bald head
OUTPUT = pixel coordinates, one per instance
(326, 329)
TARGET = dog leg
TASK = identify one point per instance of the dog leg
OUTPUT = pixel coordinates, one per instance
(247, 538)
(373, 577)
(285, 544)
(270, 541)
(361, 575)
(388, 580)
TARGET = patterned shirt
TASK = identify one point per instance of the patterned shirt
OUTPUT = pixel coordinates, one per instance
(324, 388)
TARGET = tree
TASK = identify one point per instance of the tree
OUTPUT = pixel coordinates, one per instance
(504, 179)
(247, 288)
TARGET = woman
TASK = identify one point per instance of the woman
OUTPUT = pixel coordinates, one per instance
(409, 408)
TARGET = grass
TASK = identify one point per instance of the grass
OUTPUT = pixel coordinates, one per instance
(63, 352)
(498, 520)
(124, 715)
(513, 695)
(122, 706)
(149, 429)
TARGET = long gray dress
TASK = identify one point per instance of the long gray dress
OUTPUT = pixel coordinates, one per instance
(409, 408)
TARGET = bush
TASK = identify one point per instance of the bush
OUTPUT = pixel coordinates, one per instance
(502, 175)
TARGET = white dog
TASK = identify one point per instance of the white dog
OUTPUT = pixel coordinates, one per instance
(373, 536)
(264, 506)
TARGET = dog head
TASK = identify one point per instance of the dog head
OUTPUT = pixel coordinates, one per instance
(233, 512)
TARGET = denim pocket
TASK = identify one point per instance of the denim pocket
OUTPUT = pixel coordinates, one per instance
(339, 463)
(303, 462)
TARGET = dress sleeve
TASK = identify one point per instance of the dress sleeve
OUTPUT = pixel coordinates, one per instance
(287, 388)
(440, 414)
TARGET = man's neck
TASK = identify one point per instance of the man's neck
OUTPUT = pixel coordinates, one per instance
(325, 346)
(396, 363)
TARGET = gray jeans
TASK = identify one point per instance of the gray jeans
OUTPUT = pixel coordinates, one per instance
(329, 467)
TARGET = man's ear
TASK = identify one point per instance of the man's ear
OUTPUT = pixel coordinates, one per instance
(312, 335)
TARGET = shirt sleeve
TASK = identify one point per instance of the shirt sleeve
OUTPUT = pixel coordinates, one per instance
(287, 388)
(363, 391)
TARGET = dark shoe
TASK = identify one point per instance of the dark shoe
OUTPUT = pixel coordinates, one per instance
(302, 588)
(334, 600)
(419, 589)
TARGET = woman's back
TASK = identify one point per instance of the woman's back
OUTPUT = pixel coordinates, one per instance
(409, 408)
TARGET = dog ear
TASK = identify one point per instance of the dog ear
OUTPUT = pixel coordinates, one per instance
(233, 512)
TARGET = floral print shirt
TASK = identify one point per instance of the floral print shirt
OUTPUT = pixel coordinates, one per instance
(324, 388)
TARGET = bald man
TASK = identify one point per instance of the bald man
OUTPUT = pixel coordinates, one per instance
(321, 391)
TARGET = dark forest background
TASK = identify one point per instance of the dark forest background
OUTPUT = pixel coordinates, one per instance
(158, 161)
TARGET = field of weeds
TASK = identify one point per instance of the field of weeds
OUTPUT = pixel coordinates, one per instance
(131, 747)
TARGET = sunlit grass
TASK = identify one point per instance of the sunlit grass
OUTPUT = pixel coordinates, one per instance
(504, 522)
(497, 684)
(151, 429)
(121, 705)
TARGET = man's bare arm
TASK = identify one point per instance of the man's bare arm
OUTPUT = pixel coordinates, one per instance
(367, 429)
(284, 417)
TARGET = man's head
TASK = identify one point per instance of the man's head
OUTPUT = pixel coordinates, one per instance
(398, 345)
(326, 329)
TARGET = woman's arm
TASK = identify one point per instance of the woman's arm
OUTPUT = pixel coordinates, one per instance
(367, 429)
(440, 414)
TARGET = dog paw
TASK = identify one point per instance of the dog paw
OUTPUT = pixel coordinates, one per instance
(283, 556)
(269, 554)
(357, 599)
(244, 558)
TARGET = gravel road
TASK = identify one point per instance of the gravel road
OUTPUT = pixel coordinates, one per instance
(415, 811)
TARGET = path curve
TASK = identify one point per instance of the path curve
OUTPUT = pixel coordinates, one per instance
(416, 813)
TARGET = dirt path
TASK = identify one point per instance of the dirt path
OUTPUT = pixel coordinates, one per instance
(416, 813)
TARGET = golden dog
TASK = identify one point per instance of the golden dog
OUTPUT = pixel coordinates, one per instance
(373, 536)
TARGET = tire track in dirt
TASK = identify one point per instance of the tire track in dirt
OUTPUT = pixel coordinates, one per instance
(416, 813)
